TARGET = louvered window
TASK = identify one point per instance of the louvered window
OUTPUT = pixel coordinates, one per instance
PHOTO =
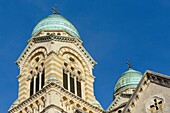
(42, 78)
(65, 80)
(78, 88)
(72, 88)
(37, 83)
(32, 87)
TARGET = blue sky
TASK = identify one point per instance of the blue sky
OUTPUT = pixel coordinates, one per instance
(112, 32)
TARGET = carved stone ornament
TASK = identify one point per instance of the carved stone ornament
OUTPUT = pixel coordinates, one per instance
(155, 104)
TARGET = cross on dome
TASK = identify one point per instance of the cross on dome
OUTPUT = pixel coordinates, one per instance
(129, 64)
(55, 11)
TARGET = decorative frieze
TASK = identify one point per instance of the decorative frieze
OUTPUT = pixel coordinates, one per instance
(159, 79)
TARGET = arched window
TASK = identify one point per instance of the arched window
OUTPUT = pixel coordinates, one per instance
(65, 80)
(72, 87)
(43, 78)
(78, 88)
(32, 87)
(70, 77)
(35, 85)
(37, 82)
(38, 75)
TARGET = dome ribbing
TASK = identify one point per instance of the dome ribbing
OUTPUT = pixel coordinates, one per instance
(56, 22)
(129, 79)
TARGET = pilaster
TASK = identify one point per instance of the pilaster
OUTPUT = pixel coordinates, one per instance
(53, 66)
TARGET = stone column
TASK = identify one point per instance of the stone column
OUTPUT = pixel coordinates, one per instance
(34, 90)
(41, 104)
(75, 85)
(40, 81)
(35, 108)
(68, 75)
(29, 110)
(28, 85)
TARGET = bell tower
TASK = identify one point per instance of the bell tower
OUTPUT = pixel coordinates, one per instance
(55, 71)
(124, 89)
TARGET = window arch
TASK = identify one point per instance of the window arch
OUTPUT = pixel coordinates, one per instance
(72, 75)
(79, 88)
(37, 72)
(65, 80)
(31, 86)
(67, 50)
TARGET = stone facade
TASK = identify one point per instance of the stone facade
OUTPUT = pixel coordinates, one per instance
(55, 54)
(151, 96)
(56, 76)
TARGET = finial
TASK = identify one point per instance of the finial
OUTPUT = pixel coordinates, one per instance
(129, 64)
(55, 11)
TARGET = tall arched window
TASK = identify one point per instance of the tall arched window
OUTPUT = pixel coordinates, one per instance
(78, 88)
(72, 86)
(37, 82)
(35, 85)
(68, 78)
(42, 78)
(65, 80)
(37, 73)
(32, 87)
(71, 77)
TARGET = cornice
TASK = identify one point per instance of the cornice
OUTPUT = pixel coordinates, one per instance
(73, 96)
(158, 78)
(24, 53)
(120, 106)
(44, 91)
(28, 101)
(148, 78)
(53, 37)
(74, 40)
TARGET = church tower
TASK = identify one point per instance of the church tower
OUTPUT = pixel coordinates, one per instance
(124, 90)
(55, 71)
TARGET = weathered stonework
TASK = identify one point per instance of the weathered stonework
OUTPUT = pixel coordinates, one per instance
(151, 96)
(51, 54)
(56, 76)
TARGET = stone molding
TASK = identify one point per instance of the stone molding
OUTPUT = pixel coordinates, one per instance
(52, 37)
(159, 79)
(148, 77)
(66, 49)
(42, 93)
(53, 106)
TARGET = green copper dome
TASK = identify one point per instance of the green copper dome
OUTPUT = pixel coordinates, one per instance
(56, 22)
(129, 79)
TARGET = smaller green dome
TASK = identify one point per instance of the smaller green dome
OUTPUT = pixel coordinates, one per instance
(56, 22)
(129, 79)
